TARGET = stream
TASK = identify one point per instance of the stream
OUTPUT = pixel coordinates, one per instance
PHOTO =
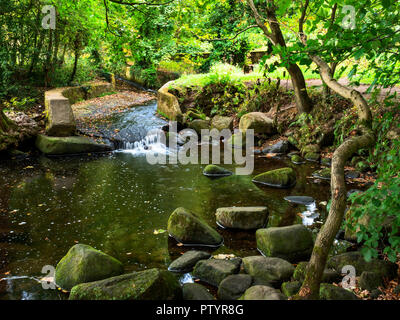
(120, 204)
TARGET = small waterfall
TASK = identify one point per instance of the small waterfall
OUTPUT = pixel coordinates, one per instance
(152, 142)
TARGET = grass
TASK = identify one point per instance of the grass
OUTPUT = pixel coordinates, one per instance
(222, 70)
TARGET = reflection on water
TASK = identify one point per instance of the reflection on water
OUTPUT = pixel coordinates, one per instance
(114, 203)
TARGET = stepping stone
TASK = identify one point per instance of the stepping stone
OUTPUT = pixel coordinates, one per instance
(245, 218)
(188, 260)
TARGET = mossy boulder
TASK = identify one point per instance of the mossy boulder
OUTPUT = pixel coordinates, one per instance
(324, 174)
(213, 271)
(213, 170)
(188, 260)
(279, 147)
(260, 292)
(195, 291)
(258, 121)
(233, 287)
(291, 288)
(311, 148)
(370, 280)
(188, 228)
(292, 243)
(69, 145)
(279, 178)
(245, 218)
(329, 275)
(296, 159)
(271, 270)
(330, 292)
(153, 284)
(312, 156)
(220, 123)
(356, 259)
(198, 125)
(83, 264)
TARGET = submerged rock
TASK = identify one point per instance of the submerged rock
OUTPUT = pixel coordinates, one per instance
(195, 291)
(233, 287)
(188, 260)
(330, 292)
(237, 140)
(187, 228)
(292, 243)
(245, 218)
(153, 284)
(262, 293)
(214, 271)
(300, 200)
(69, 145)
(279, 147)
(83, 264)
(213, 170)
(258, 121)
(355, 259)
(279, 178)
(266, 269)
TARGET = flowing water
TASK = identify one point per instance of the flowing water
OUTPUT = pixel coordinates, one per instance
(120, 204)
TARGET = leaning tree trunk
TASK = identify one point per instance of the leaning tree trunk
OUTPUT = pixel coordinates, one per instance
(326, 236)
(303, 101)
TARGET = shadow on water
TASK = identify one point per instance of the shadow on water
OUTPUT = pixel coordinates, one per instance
(115, 203)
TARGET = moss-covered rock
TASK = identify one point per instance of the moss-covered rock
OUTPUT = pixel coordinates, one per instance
(245, 218)
(330, 292)
(292, 243)
(233, 287)
(198, 125)
(324, 174)
(312, 156)
(260, 292)
(153, 284)
(355, 258)
(69, 145)
(220, 123)
(83, 264)
(370, 280)
(329, 275)
(188, 260)
(187, 228)
(168, 104)
(279, 178)
(296, 159)
(258, 121)
(272, 270)
(291, 288)
(213, 271)
(195, 291)
(311, 148)
(213, 170)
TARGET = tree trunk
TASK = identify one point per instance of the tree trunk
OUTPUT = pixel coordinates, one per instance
(326, 236)
(75, 66)
(303, 101)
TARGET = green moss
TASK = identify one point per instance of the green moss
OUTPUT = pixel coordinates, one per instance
(280, 178)
(213, 170)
